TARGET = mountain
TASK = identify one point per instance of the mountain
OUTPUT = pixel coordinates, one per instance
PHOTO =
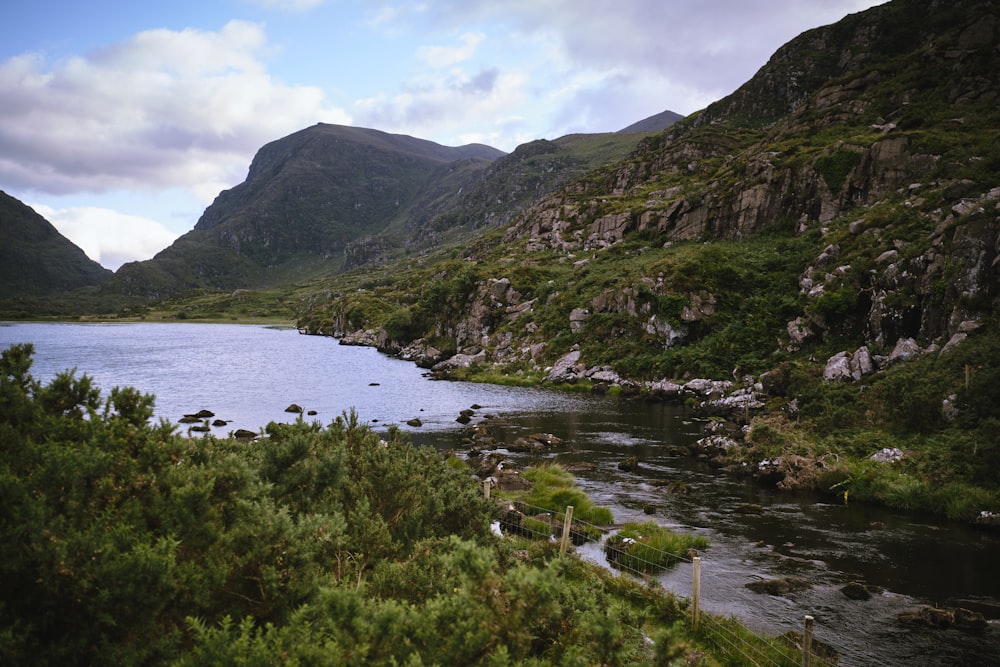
(36, 260)
(331, 198)
(305, 199)
(813, 261)
(660, 121)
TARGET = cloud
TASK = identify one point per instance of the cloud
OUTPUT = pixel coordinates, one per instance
(108, 237)
(164, 109)
(287, 5)
(447, 106)
(443, 56)
(685, 52)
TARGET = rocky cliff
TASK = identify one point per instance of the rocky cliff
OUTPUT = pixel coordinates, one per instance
(858, 169)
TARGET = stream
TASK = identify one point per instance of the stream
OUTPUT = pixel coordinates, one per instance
(248, 375)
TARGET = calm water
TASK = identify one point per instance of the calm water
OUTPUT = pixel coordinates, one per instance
(249, 374)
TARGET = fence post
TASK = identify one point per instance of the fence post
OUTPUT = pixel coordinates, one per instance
(695, 591)
(486, 489)
(807, 640)
(567, 522)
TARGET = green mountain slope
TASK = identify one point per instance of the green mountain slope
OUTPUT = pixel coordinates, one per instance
(306, 197)
(35, 259)
(811, 242)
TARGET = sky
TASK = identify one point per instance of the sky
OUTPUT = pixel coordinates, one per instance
(120, 121)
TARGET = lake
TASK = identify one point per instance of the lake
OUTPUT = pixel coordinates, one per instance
(247, 375)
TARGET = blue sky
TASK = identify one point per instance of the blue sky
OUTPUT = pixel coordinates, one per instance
(121, 121)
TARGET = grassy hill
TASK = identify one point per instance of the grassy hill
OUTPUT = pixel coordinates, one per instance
(36, 260)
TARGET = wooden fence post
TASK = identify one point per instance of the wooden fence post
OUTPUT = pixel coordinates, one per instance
(567, 522)
(486, 489)
(807, 640)
(695, 591)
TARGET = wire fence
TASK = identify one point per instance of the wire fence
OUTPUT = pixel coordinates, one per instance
(640, 559)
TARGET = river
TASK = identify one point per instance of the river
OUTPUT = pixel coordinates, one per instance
(248, 375)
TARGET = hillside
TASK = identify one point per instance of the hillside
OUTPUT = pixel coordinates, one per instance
(306, 197)
(36, 260)
(818, 237)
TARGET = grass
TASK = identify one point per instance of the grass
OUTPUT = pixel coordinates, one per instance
(554, 488)
(649, 548)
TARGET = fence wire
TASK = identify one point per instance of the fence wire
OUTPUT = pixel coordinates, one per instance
(645, 561)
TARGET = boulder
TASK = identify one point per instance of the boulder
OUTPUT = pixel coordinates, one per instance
(577, 317)
(705, 387)
(859, 591)
(243, 434)
(838, 367)
(906, 349)
(414, 422)
(566, 369)
(295, 408)
(458, 361)
(887, 455)
(422, 353)
(664, 389)
(779, 586)
(534, 443)
(945, 618)
(847, 367)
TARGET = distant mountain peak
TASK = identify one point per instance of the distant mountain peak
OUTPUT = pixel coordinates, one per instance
(660, 121)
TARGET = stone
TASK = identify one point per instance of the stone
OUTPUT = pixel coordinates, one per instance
(906, 349)
(857, 591)
(458, 361)
(243, 434)
(577, 317)
(838, 367)
(565, 369)
(945, 618)
(779, 586)
(295, 408)
(414, 422)
(888, 455)
(664, 389)
(630, 464)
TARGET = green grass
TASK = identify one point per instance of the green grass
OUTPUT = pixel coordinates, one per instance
(649, 548)
(554, 488)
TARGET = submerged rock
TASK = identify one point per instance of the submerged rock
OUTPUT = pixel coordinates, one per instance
(945, 618)
(779, 586)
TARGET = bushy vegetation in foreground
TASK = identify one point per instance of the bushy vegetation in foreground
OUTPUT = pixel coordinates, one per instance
(124, 543)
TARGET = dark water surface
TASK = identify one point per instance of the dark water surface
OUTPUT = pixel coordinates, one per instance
(249, 374)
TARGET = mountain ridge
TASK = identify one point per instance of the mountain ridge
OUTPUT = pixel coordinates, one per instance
(36, 260)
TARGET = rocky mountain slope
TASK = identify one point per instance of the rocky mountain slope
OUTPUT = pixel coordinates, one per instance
(307, 197)
(36, 260)
(331, 198)
(834, 221)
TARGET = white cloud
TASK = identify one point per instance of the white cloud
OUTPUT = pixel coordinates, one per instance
(164, 109)
(446, 108)
(108, 237)
(443, 56)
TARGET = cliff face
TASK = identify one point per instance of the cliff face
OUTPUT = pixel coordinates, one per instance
(883, 124)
